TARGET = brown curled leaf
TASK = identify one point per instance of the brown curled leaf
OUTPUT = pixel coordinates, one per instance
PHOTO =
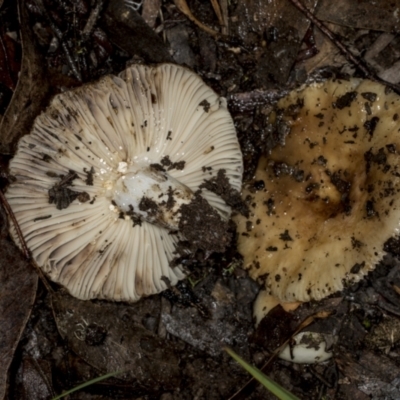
(98, 334)
(18, 280)
(184, 8)
(31, 92)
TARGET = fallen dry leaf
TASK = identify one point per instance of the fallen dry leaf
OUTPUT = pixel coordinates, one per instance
(362, 14)
(128, 30)
(18, 282)
(107, 337)
(31, 92)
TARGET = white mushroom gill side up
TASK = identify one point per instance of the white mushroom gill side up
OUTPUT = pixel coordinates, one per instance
(100, 133)
(329, 197)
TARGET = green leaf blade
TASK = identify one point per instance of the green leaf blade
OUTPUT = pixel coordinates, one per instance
(268, 383)
(88, 383)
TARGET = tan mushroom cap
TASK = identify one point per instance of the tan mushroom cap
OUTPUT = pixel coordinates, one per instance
(331, 197)
(75, 196)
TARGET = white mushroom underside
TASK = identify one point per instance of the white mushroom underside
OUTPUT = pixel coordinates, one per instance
(140, 116)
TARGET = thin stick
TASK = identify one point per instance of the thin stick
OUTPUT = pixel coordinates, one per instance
(184, 8)
(10, 213)
(92, 20)
(60, 36)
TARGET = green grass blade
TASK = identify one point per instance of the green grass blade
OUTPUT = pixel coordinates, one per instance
(268, 383)
(88, 383)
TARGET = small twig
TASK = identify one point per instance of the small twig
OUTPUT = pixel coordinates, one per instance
(321, 378)
(225, 16)
(359, 63)
(393, 309)
(71, 61)
(59, 35)
(326, 31)
(10, 213)
(160, 13)
(93, 17)
(184, 8)
(376, 47)
(218, 12)
(311, 49)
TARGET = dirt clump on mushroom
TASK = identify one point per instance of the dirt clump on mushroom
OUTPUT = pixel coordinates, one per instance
(220, 186)
(62, 196)
(203, 227)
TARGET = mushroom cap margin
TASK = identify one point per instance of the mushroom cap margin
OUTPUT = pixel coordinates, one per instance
(143, 114)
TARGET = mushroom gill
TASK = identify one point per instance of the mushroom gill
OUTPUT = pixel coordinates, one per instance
(325, 200)
(108, 182)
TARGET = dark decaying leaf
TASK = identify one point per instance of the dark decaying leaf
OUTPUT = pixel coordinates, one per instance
(362, 14)
(263, 53)
(127, 29)
(35, 384)
(107, 337)
(31, 91)
(376, 376)
(18, 283)
(283, 28)
(10, 55)
(9, 61)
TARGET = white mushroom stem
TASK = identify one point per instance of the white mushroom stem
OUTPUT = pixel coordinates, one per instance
(151, 194)
(307, 348)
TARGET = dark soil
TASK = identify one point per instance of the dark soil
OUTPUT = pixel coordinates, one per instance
(203, 227)
(170, 346)
(220, 185)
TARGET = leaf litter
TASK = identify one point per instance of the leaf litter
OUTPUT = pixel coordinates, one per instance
(170, 345)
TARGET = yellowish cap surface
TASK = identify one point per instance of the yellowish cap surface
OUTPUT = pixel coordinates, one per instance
(325, 200)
